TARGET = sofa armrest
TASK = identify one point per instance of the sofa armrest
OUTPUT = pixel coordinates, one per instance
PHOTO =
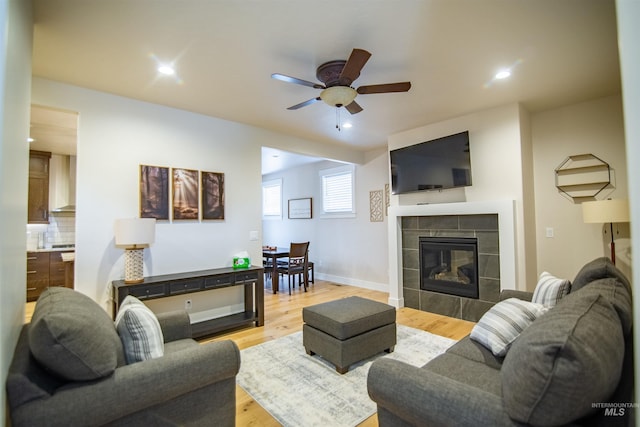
(421, 397)
(134, 387)
(175, 325)
(510, 293)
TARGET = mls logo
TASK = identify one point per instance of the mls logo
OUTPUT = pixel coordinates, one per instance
(613, 412)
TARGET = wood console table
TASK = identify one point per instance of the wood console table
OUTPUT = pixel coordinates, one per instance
(198, 281)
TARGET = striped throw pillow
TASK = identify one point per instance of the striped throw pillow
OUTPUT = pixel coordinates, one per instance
(550, 290)
(499, 327)
(139, 331)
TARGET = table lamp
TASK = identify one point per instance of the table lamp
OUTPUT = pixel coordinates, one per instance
(134, 233)
(606, 211)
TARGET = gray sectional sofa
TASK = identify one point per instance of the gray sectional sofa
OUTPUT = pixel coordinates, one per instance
(572, 366)
(69, 369)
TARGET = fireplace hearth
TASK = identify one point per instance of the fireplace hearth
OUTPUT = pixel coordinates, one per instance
(449, 265)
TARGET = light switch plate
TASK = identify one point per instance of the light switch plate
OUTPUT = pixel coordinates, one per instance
(254, 235)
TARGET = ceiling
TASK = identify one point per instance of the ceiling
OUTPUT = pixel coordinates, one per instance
(53, 130)
(224, 52)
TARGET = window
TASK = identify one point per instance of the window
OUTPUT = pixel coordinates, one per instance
(338, 192)
(272, 199)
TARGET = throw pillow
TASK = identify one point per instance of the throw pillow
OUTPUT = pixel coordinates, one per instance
(499, 327)
(571, 357)
(550, 290)
(139, 331)
(72, 336)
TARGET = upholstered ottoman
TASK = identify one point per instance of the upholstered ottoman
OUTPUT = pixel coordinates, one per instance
(348, 330)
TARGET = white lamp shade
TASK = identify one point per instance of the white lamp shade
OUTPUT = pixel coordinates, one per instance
(605, 211)
(135, 231)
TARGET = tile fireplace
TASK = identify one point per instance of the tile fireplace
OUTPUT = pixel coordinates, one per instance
(491, 223)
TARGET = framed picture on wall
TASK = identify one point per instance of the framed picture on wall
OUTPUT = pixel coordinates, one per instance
(185, 194)
(212, 184)
(154, 192)
(300, 208)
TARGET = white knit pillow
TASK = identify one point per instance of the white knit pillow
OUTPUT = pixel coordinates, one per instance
(499, 327)
(139, 331)
(550, 290)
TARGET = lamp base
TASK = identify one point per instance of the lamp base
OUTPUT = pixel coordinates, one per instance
(133, 265)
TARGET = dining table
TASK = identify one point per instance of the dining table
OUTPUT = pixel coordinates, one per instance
(273, 253)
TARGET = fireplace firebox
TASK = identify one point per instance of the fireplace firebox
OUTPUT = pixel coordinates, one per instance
(449, 265)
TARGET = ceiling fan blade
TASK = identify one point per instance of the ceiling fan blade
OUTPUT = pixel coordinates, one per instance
(288, 79)
(384, 88)
(353, 108)
(304, 104)
(354, 65)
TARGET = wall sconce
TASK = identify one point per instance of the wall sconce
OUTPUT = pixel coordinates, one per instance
(134, 233)
(606, 211)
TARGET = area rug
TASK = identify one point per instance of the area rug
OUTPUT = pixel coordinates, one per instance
(301, 390)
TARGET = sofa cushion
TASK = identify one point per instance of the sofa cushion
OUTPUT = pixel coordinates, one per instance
(469, 372)
(566, 360)
(550, 289)
(73, 337)
(139, 331)
(472, 350)
(499, 327)
(602, 274)
(599, 268)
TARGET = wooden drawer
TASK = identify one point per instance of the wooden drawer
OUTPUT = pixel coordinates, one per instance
(147, 291)
(37, 274)
(248, 276)
(184, 286)
(57, 269)
(218, 281)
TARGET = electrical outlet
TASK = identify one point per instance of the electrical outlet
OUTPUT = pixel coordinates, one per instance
(187, 304)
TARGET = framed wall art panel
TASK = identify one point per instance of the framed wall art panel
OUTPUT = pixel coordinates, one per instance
(300, 208)
(212, 184)
(154, 192)
(185, 194)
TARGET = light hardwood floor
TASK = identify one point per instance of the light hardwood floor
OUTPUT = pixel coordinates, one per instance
(283, 316)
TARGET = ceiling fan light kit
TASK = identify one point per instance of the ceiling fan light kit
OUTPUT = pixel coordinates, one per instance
(337, 77)
(338, 96)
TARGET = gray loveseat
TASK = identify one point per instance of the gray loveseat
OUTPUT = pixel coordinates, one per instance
(82, 379)
(572, 366)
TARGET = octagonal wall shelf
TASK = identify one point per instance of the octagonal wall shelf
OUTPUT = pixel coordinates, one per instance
(582, 177)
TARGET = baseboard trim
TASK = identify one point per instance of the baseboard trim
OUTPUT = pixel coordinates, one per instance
(382, 287)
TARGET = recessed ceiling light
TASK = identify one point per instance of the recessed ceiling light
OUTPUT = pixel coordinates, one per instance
(166, 70)
(347, 125)
(503, 74)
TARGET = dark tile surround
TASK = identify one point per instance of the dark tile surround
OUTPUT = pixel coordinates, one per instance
(485, 229)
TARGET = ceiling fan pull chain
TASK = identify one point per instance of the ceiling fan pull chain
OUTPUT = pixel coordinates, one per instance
(338, 118)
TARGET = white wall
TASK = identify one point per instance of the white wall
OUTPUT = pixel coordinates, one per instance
(497, 156)
(594, 127)
(15, 71)
(116, 135)
(628, 13)
(350, 251)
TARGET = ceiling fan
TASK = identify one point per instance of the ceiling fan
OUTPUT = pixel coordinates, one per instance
(337, 77)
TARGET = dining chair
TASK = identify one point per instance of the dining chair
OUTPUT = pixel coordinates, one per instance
(297, 264)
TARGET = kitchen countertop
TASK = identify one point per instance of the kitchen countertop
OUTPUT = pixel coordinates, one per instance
(52, 250)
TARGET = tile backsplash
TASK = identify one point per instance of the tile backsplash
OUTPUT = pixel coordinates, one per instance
(61, 230)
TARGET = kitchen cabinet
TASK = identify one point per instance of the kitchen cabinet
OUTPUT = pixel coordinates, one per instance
(37, 274)
(38, 208)
(45, 269)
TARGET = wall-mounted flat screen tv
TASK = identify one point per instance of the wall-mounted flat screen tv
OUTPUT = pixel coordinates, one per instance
(433, 165)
